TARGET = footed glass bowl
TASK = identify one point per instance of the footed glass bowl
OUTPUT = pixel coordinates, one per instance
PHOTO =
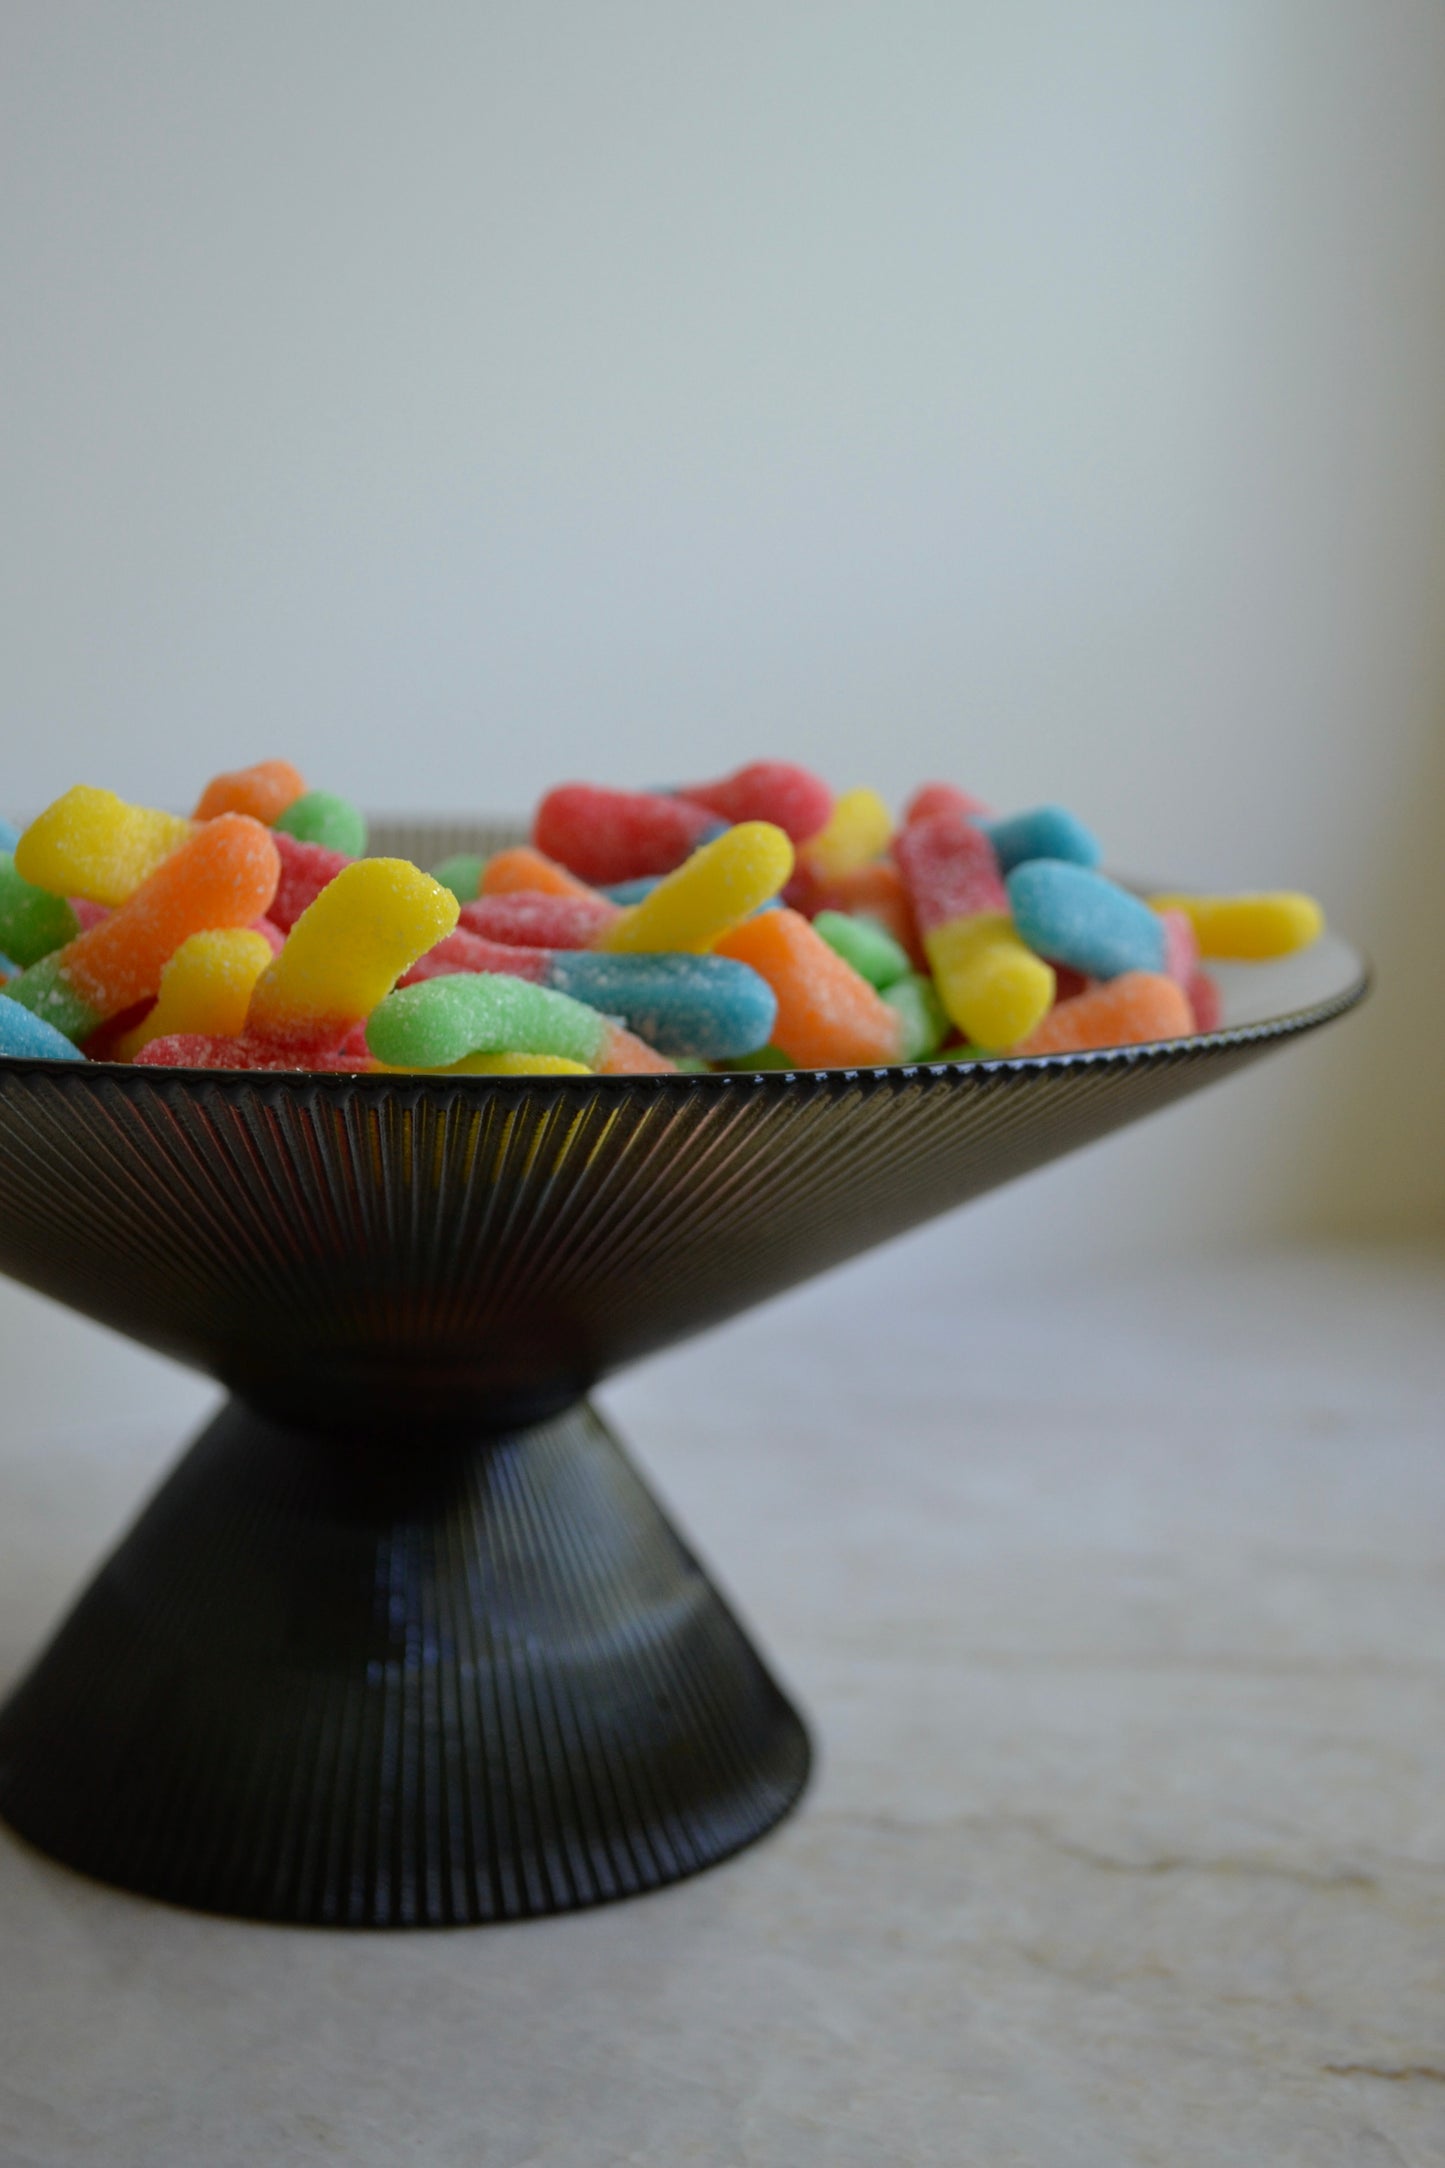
(404, 1639)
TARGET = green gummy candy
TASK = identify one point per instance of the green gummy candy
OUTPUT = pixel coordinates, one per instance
(320, 816)
(462, 874)
(32, 921)
(45, 993)
(925, 1020)
(433, 1024)
(874, 954)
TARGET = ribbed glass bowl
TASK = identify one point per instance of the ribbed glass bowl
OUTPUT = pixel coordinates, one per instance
(404, 1639)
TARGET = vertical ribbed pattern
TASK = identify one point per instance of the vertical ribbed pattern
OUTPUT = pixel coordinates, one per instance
(317, 1685)
(484, 1249)
(343, 1669)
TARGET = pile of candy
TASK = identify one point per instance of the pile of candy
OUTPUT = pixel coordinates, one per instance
(753, 923)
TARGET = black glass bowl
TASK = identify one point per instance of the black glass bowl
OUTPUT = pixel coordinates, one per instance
(404, 1639)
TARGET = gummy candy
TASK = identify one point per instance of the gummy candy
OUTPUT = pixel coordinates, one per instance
(223, 875)
(1249, 929)
(612, 835)
(319, 816)
(827, 1015)
(91, 843)
(720, 884)
(1084, 919)
(348, 949)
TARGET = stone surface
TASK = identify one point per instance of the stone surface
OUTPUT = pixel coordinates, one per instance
(1119, 1612)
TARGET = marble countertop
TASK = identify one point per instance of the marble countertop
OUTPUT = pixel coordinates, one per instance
(1119, 1613)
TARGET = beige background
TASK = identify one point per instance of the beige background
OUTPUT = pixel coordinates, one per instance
(459, 397)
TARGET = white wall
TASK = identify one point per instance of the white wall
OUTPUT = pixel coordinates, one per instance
(461, 396)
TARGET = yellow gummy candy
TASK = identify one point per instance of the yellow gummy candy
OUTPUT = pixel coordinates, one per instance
(1246, 929)
(859, 830)
(515, 1065)
(994, 988)
(722, 883)
(91, 843)
(206, 987)
(350, 946)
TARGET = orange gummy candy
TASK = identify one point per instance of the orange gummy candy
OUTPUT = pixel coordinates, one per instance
(263, 791)
(1127, 1011)
(828, 1017)
(223, 875)
(525, 868)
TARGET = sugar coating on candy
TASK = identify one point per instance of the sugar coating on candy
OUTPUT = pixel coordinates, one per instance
(93, 844)
(872, 952)
(306, 868)
(827, 1015)
(224, 874)
(321, 816)
(530, 919)
(708, 1006)
(949, 868)
(33, 922)
(349, 948)
(462, 874)
(1133, 1010)
(205, 988)
(434, 1024)
(263, 790)
(1249, 928)
(613, 835)
(860, 828)
(1084, 919)
(22, 1033)
(194, 1050)
(624, 1054)
(925, 1021)
(931, 798)
(1048, 831)
(522, 869)
(790, 797)
(721, 884)
(467, 951)
(994, 988)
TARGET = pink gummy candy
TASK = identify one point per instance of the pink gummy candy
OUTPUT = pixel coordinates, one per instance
(790, 797)
(305, 870)
(530, 919)
(1205, 1000)
(617, 835)
(949, 868)
(1181, 947)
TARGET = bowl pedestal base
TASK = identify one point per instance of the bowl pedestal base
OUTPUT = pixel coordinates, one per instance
(340, 1681)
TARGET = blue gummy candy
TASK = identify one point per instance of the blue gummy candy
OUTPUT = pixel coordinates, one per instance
(22, 1032)
(9, 834)
(1076, 917)
(1047, 832)
(626, 892)
(711, 1006)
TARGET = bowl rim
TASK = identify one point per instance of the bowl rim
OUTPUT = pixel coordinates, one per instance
(1014, 1068)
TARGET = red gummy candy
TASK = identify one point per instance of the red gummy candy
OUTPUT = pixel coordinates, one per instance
(87, 914)
(305, 870)
(195, 1050)
(269, 931)
(949, 868)
(617, 835)
(768, 790)
(931, 798)
(466, 951)
(533, 920)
